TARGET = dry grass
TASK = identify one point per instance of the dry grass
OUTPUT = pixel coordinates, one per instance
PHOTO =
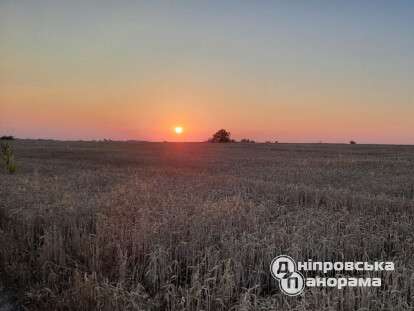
(123, 226)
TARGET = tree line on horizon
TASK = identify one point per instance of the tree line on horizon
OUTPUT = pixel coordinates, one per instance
(224, 136)
(221, 136)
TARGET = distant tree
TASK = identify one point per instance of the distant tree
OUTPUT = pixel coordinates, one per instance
(352, 142)
(247, 141)
(6, 138)
(221, 136)
(276, 141)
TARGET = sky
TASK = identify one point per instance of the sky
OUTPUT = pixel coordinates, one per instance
(292, 71)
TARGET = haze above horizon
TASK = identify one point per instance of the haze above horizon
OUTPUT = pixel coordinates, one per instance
(329, 71)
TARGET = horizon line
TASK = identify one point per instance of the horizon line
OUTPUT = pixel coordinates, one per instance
(106, 140)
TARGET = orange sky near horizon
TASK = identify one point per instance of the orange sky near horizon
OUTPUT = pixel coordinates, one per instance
(153, 113)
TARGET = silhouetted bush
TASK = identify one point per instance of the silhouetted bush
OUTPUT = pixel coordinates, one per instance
(352, 142)
(6, 138)
(247, 141)
(8, 158)
(221, 136)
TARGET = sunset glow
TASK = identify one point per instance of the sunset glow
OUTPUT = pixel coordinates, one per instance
(292, 72)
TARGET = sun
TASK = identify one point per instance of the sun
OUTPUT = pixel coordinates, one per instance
(178, 130)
